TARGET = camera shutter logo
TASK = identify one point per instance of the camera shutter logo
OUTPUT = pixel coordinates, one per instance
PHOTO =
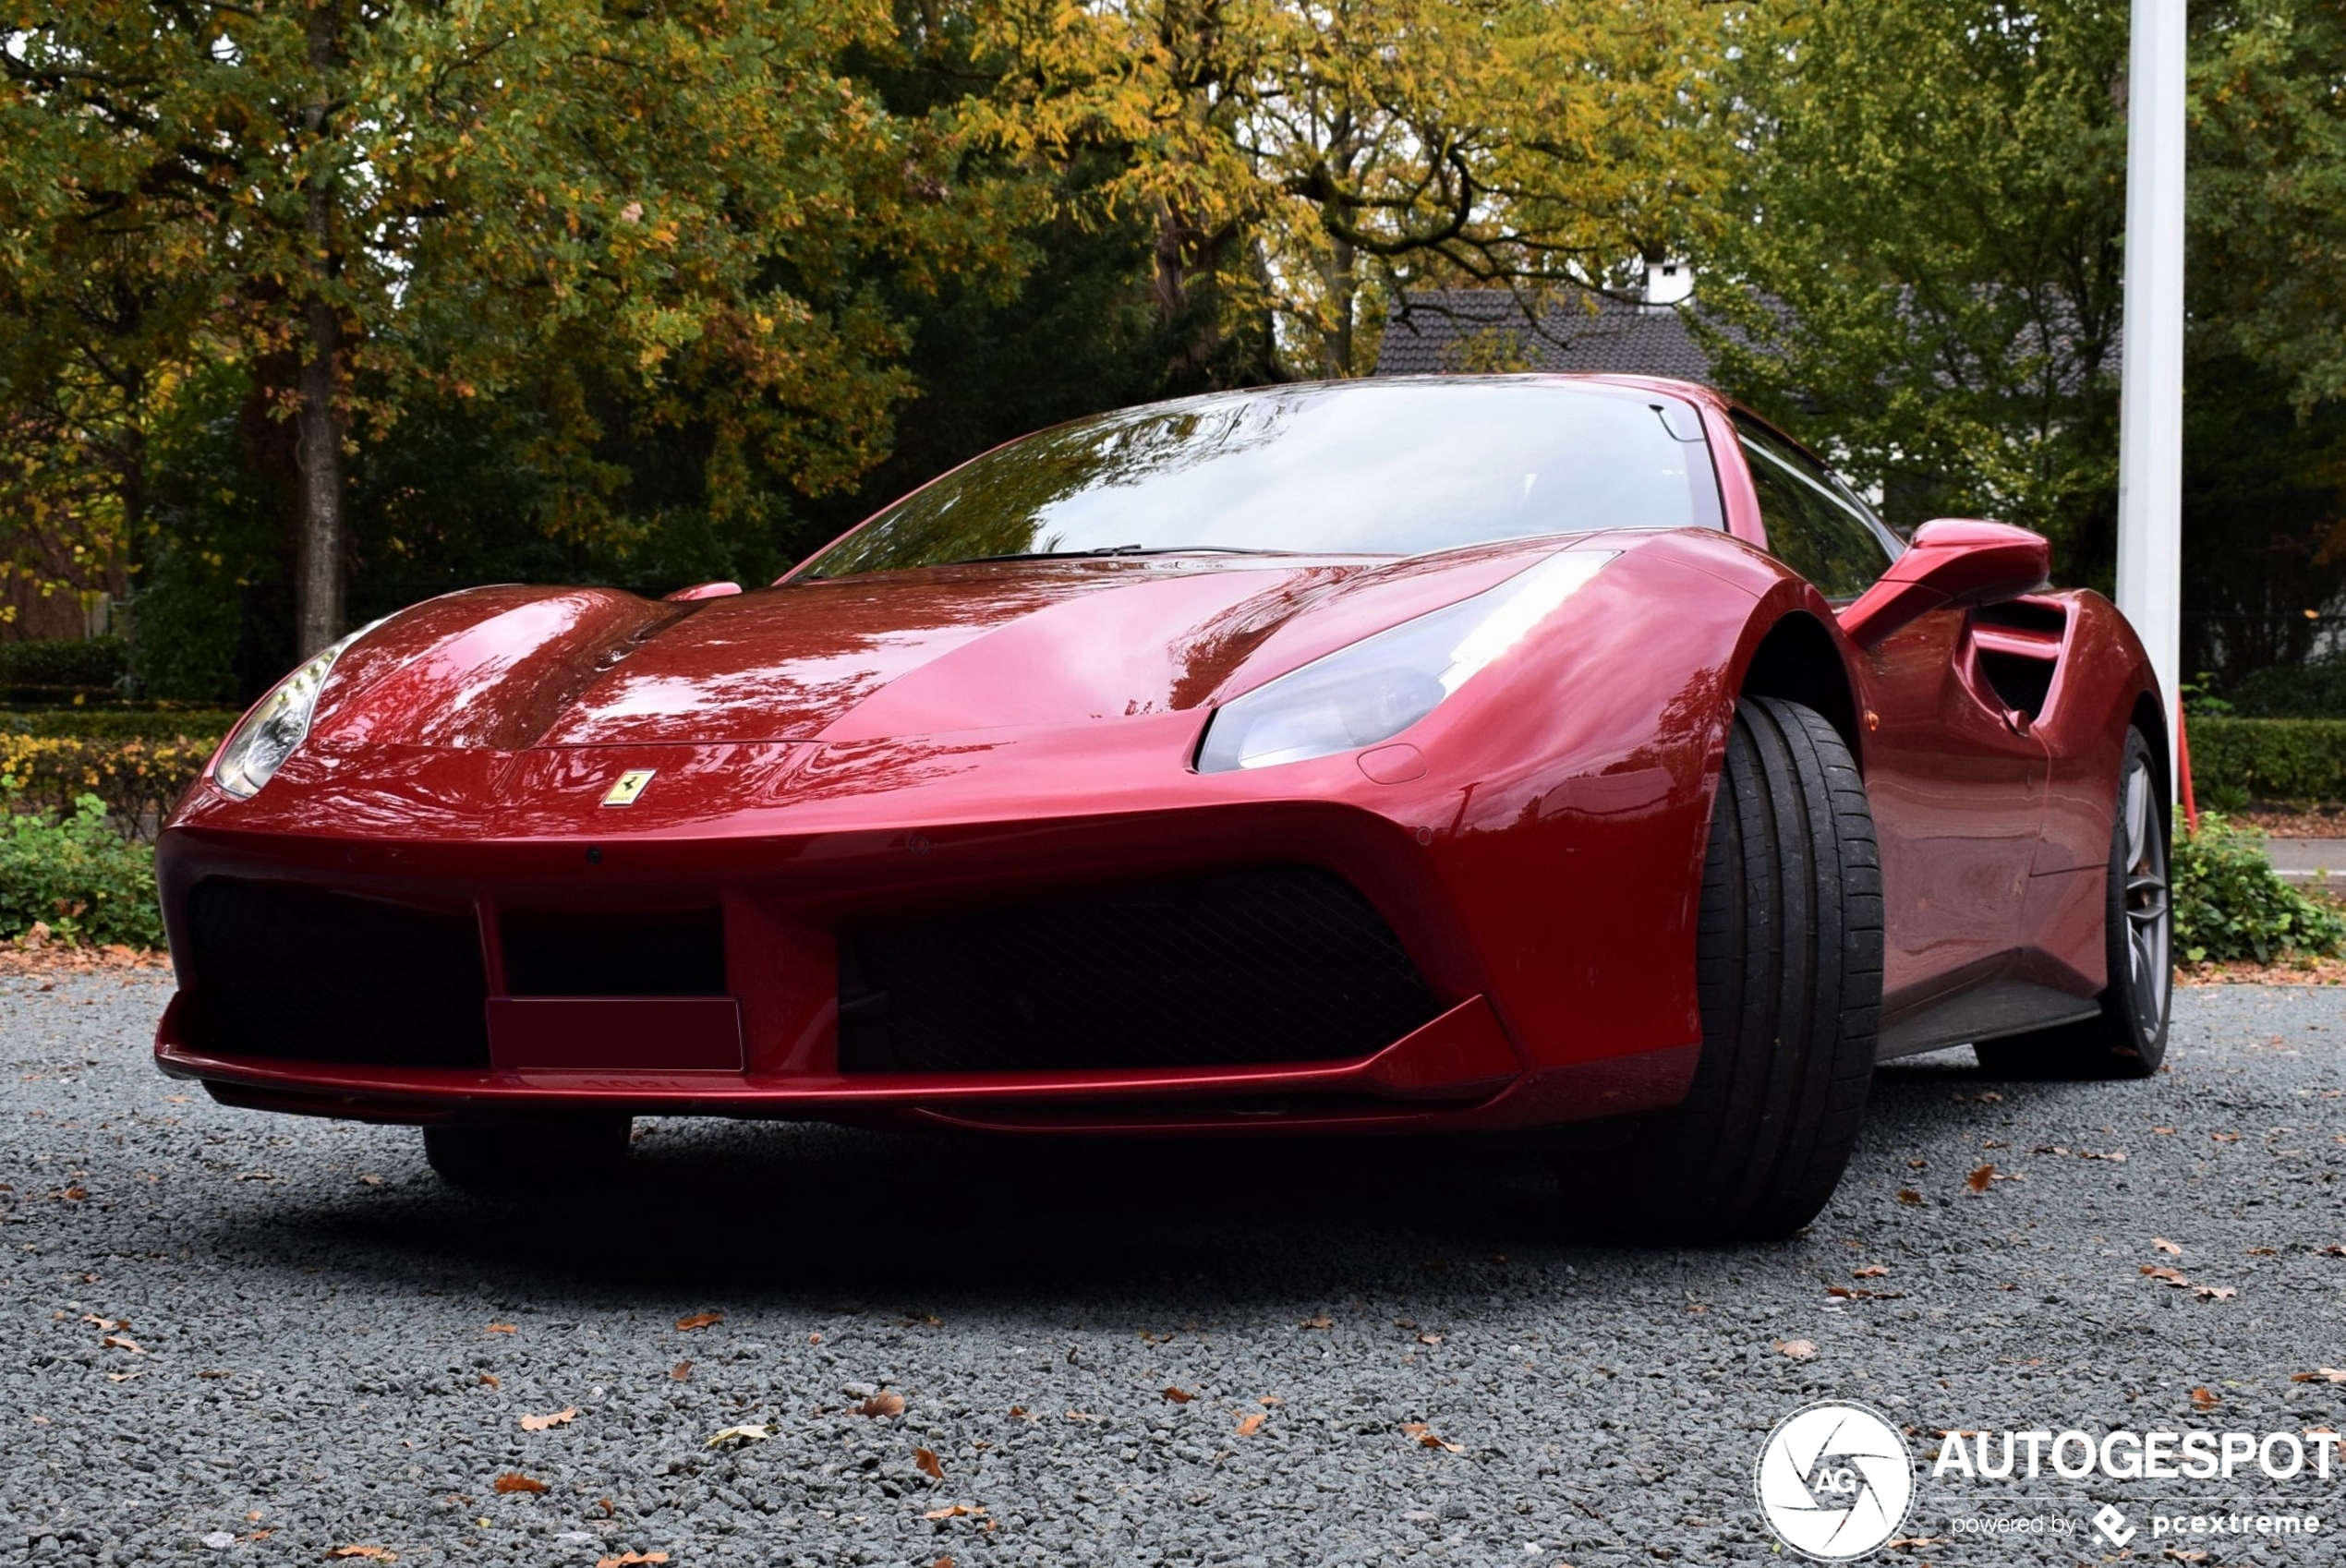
(1834, 1481)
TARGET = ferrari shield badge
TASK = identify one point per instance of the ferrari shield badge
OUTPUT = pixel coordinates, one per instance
(629, 785)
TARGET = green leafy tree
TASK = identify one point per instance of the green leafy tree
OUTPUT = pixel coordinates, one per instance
(633, 220)
(1929, 253)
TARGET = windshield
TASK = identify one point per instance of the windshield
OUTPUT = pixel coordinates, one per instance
(1363, 467)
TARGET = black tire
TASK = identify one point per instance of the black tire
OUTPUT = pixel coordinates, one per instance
(519, 1156)
(2128, 1038)
(1788, 965)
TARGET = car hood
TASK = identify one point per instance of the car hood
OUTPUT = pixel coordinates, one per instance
(944, 649)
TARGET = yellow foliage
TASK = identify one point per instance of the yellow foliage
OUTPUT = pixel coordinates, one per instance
(137, 779)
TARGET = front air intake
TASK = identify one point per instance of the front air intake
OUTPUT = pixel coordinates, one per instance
(285, 970)
(1270, 964)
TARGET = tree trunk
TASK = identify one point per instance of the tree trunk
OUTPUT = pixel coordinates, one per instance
(319, 546)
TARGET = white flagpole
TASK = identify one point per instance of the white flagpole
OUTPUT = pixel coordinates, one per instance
(2151, 425)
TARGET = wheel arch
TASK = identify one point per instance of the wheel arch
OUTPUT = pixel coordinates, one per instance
(1798, 660)
(2151, 719)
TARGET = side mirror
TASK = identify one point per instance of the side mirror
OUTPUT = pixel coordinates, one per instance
(1953, 562)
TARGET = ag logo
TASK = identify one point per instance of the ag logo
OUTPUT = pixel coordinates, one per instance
(1834, 1481)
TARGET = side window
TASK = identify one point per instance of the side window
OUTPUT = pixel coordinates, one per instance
(1814, 524)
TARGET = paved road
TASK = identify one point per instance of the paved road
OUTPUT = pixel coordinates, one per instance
(332, 1350)
(2298, 860)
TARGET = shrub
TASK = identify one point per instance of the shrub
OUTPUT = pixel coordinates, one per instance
(134, 780)
(205, 724)
(76, 875)
(2230, 903)
(63, 668)
(2271, 759)
(2316, 688)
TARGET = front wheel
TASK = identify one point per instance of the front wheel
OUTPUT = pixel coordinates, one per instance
(519, 1156)
(2128, 1038)
(1788, 967)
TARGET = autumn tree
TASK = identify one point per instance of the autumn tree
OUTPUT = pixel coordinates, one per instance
(1299, 160)
(370, 200)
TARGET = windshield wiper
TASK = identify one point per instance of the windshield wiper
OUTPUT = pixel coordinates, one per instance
(1114, 549)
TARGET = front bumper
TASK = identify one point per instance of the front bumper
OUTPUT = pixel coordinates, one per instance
(789, 878)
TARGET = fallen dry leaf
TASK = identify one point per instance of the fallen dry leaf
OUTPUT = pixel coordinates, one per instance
(1317, 1323)
(374, 1552)
(501, 1328)
(2204, 1399)
(1250, 1425)
(109, 1324)
(678, 1372)
(123, 1341)
(2167, 1246)
(1908, 1195)
(559, 1418)
(1871, 1271)
(885, 1403)
(2165, 1276)
(2214, 1292)
(2335, 1249)
(926, 1458)
(2264, 1252)
(1798, 1349)
(742, 1434)
(1425, 1437)
(2225, 1137)
(699, 1321)
(1178, 1395)
(2320, 1375)
(956, 1511)
(489, 1379)
(630, 1559)
(1429, 1339)
(74, 1194)
(1977, 1180)
(2180, 1555)
(514, 1481)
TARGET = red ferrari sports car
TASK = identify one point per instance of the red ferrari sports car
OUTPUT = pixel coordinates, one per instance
(1447, 755)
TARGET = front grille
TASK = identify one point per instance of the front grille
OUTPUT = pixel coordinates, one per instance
(1273, 964)
(303, 973)
(614, 953)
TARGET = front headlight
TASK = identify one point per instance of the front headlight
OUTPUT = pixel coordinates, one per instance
(268, 734)
(1379, 686)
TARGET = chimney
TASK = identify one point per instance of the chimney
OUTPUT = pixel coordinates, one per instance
(1668, 281)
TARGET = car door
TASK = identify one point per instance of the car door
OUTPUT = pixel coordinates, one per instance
(1956, 779)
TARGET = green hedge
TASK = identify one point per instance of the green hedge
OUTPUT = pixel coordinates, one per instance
(2316, 688)
(194, 724)
(63, 667)
(2269, 759)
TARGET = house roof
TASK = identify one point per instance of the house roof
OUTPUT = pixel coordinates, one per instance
(1446, 330)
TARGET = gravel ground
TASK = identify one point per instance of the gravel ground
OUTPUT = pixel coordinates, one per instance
(332, 1351)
